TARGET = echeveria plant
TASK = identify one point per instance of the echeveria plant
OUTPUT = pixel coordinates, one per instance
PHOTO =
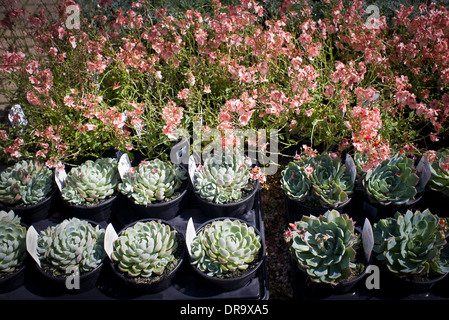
(152, 181)
(439, 169)
(91, 182)
(224, 246)
(12, 242)
(412, 243)
(72, 245)
(325, 247)
(26, 182)
(146, 249)
(222, 178)
(393, 181)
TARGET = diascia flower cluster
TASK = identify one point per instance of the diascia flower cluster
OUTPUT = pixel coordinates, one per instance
(131, 73)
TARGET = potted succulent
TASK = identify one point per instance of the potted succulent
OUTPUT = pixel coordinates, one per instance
(327, 248)
(146, 255)
(71, 247)
(391, 186)
(12, 251)
(156, 188)
(413, 248)
(223, 186)
(437, 192)
(226, 253)
(27, 188)
(90, 189)
(313, 185)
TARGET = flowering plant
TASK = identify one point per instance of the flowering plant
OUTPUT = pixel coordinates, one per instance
(129, 74)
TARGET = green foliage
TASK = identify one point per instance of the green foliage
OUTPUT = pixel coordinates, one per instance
(26, 182)
(439, 168)
(12, 242)
(224, 246)
(222, 178)
(152, 181)
(412, 243)
(325, 246)
(393, 181)
(146, 249)
(91, 182)
(72, 245)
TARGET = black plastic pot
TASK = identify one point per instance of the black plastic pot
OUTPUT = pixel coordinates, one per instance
(162, 210)
(98, 213)
(375, 211)
(228, 284)
(235, 209)
(298, 209)
(87, 280)
(14, 280)
(32, 213)
(436, 202)
(130, 285)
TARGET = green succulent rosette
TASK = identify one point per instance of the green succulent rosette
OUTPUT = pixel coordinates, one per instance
(320, 181)
(393, 181)
(222, 178)
(225, 246)
(325, 247)
(26, 182)
(146, 249)
(72, 245)
(91, 182)
(439, 173)
(412, 244)
(12, 243)
(152, 181)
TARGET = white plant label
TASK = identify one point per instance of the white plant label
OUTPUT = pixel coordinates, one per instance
(367, 239)
(31, 244)
(124, 165)
(109, 238)
(190, 235)
(60, 176)
(192, 167)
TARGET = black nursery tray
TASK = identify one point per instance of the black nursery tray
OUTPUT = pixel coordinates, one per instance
(389, 288)
(186, 284)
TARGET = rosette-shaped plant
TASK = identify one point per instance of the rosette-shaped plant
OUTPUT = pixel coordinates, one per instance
(12, 242)
(412, 243)
(146, 249)
(330, 181)
(152, 181)
(439, 173)
(222, 178)
(295, 182)
(393, 181)
(91, 182)
(224, 246)
(26, 182)
(325, 246)
(72, 245)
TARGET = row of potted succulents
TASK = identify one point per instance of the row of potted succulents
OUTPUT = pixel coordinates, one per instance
(146, 254)
(225, 253)
(221, 183)
(409, 245)
(410, 249)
